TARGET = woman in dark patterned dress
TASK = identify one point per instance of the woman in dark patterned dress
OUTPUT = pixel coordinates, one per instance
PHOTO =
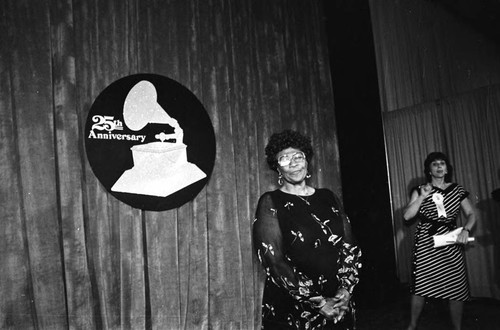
(304, 241)
(439, 272)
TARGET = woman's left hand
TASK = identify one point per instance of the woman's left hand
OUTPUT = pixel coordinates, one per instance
(463, 237)
(341, 299)
(333, 308)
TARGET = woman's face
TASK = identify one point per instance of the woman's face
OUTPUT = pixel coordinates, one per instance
(292, 164)
(438, 168)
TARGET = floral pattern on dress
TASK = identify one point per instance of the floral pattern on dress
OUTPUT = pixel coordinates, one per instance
(293, 235)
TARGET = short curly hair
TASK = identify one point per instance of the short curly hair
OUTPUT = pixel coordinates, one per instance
(287, 139)
(436, 155)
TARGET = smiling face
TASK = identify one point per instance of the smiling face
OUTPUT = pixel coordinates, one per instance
(438, 168)
(441, 165)
(296, 170)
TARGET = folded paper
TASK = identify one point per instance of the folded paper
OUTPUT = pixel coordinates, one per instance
(448, 238)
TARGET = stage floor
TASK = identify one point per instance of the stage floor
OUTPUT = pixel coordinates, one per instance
(479, 314)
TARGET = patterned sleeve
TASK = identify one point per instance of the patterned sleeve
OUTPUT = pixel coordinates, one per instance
(268, 243)
(350, 256)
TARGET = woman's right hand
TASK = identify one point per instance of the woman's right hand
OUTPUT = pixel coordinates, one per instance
(416, 199)
(425, 189)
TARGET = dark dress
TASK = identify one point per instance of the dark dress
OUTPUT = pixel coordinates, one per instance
(439, 272)
(307, 249)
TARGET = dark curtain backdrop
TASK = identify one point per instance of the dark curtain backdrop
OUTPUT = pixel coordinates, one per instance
(71, 255)
(439, 81)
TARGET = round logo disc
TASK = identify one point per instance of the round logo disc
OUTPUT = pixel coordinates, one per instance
(150, 142)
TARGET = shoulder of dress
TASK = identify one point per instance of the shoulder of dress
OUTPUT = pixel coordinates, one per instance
(266, 201)
(324, 191)
(266, 196)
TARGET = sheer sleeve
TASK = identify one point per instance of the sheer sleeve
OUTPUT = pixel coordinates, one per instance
(350, 256)
(268, 243)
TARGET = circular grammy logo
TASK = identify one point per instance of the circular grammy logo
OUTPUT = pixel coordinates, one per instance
(150, 142)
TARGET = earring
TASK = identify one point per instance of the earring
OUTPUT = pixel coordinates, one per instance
(308, 175)
(280, 179)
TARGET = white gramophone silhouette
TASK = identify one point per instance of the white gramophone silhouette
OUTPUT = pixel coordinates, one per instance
(160, 168)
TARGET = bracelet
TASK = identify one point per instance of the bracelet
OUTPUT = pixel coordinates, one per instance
(466, 229)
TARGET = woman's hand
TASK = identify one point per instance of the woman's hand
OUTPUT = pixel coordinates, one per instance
(425, 189)
(341, 299)
(333, 308)
(463, 237)
(417, 197)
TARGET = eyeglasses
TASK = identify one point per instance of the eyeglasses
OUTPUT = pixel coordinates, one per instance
(298, 157)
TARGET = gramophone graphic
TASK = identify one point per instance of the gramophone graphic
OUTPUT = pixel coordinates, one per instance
(160, 168)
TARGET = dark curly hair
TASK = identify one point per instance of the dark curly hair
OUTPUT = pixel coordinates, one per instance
(287, 139)
(437, 156)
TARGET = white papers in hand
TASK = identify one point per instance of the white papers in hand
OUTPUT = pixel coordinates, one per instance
(448, 238)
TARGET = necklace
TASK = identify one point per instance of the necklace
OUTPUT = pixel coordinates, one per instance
(306, 193)
(304, 199)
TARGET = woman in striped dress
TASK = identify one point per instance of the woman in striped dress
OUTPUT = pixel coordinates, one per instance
(439, 272)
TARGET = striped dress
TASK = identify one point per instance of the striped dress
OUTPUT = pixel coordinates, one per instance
(439, 272)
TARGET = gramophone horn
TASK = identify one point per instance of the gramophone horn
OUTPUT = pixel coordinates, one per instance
(141, 107)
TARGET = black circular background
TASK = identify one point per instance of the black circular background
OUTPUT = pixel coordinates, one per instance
(110, 158)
